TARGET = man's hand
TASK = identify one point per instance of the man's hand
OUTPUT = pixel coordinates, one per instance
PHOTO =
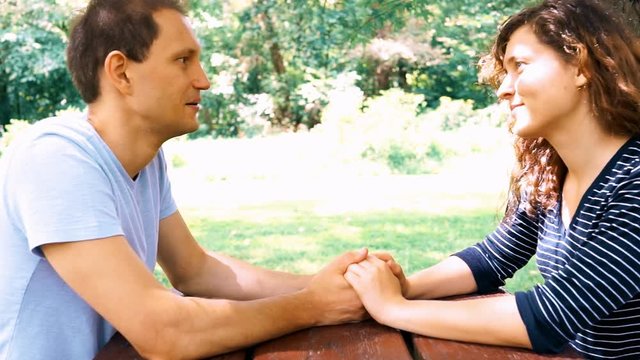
(376, 285)
(396, 269)
(334, 300)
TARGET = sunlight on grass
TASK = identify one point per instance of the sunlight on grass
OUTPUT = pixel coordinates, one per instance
(292, 202)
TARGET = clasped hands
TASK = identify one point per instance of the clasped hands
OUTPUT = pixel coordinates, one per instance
(357, 283)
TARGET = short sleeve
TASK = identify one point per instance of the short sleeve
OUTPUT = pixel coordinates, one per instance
(61, 194)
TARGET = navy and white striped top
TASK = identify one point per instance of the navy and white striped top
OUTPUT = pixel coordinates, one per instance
(591, 269)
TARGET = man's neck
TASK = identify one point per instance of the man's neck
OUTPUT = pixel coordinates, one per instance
(123, 133)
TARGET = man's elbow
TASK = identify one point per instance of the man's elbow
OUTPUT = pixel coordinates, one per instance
(156, 336)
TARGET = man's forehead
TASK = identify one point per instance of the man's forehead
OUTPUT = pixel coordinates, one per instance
(174, 30)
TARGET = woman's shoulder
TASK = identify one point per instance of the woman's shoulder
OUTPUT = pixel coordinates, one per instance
(628, 161)
(624, 170)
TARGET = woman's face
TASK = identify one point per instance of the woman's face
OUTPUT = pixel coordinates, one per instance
(541, 89)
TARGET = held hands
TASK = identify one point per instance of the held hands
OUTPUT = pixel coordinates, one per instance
(396, 269)
(378, 283)
(335, 301)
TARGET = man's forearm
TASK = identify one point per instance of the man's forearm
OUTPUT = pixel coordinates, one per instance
(229, 278)
(195, 327)
(199, 327)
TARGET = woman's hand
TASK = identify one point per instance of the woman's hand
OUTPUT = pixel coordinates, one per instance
(377, 286)
(396, 269)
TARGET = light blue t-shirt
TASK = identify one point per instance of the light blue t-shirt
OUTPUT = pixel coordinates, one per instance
(59, 183)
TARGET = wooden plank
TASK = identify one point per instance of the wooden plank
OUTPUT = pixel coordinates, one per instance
(364, 340)
(426, 348)
(118, 348)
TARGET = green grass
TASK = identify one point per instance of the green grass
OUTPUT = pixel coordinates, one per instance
(294, 238)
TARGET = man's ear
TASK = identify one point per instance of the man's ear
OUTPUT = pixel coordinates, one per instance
(115, 68)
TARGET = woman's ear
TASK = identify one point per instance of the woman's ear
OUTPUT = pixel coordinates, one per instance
(115, 67)
(581, 79)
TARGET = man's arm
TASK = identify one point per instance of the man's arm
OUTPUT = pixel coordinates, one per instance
(193, 271)
(162, 325)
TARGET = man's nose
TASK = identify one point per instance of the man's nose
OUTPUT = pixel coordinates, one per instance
(201, 80)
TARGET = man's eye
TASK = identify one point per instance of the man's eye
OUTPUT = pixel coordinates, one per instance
(183, 59)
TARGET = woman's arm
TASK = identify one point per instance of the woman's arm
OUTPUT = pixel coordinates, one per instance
(452, 276)
(494, 320)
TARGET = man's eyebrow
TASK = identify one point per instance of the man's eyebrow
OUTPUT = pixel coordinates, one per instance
(187, 52)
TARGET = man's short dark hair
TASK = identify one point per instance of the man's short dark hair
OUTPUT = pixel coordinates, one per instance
(108, 25)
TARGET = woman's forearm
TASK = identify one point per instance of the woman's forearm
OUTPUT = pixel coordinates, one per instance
(450, 277)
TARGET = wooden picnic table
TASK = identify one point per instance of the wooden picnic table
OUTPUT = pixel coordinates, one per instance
(363, 340)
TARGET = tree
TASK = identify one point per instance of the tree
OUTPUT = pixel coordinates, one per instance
(34, 82)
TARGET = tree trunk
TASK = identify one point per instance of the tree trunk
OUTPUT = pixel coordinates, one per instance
(282, 111)
(5, 108)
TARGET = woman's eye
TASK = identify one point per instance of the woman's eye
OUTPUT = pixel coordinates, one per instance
(519, 64)
(183, 59)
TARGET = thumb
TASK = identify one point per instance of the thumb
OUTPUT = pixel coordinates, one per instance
(351, 257)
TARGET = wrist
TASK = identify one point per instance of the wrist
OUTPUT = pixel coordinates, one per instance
(393, 312)
(411, 289)
(310, 313)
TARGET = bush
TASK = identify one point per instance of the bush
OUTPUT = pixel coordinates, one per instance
(386, 129)
(11, 132)
(402, 159)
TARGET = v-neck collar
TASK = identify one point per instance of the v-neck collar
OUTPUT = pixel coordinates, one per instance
(565, 228)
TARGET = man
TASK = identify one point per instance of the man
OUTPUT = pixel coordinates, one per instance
(86, 211)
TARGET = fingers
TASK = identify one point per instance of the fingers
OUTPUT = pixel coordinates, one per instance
(396, 269)
(356, 269)
(352, 278)
(370, 265)
(382, 255)
(351, 257)
(386, 257)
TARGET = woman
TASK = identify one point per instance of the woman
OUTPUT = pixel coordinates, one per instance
(571, 77)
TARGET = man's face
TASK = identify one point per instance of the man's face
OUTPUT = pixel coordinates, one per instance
(166, 85)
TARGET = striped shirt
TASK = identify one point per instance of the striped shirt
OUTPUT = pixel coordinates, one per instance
(590, 297)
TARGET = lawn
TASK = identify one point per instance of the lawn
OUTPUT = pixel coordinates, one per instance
(296, 218)
(303, 242)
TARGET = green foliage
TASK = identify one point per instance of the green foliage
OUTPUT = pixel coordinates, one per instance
(264, 56)
(389, 130)
(11, 132)
(429, 48)
(34, 82)
(178, 161)
(463, 30)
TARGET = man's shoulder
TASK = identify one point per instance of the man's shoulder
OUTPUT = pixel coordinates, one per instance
(72, 126)
(68, 124)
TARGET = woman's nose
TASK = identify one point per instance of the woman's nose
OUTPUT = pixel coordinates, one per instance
(506, 88)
